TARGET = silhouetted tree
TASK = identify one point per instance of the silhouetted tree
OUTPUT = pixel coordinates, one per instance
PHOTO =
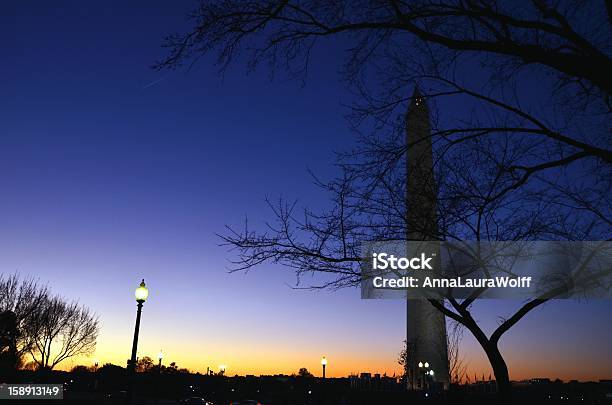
(145, 364)
(111, 369)
(399, 42)
(30, 366)
(476, 200)
(20, 301)
(511, 164)
(9, 333)
(303, 372)
(81, 369)
(403, 360)
(172, 368)
(456, 363)
(64, 330)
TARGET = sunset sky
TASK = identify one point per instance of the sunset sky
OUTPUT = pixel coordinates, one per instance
(111, 172)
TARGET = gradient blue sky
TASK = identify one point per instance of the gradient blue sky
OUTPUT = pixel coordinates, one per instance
(110, 172)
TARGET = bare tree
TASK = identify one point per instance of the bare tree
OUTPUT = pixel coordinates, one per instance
(566, 46)
(20, 301)
(64, 330)
(456, 363)
(402, 359)
(511, 165)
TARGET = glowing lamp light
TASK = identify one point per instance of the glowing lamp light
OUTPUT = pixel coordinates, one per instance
(426, 365)
(420, 364)
(142, 292)
(431, 372)
(324, 361)
(160, 355)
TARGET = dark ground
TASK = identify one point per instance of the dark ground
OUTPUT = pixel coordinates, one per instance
(108, 386)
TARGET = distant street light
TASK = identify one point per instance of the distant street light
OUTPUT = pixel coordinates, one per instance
(324, 363)
(429, 376)
(160, 356)
(424, 373)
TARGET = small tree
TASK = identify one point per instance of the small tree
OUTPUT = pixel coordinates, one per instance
(145, 364)
(403, 360)
(456, 365)
(172, 368)
(64, 330)
(303, 372)
(81, 369)
(110, 368)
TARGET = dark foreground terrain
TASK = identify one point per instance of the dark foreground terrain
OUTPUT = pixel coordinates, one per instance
(110, 385)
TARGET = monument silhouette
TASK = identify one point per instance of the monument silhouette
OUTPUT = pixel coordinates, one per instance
(426, 326)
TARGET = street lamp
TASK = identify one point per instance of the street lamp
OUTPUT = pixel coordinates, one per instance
(424, 373)
(160, 356)
(141, 294)
(324, 363)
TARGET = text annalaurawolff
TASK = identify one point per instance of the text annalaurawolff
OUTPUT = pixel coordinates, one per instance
(457, 282)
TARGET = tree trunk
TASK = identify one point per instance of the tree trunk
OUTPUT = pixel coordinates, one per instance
(504, 388)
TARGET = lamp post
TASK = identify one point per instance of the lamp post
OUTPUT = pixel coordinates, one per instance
(424, 373)
(421, 374)
(160, 356)
(324, 363)
(95, 384)
(141, 295)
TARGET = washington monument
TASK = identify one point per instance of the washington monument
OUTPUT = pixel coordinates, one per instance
(426, 327)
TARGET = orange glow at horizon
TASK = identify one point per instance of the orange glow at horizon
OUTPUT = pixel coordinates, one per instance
(261, 339)
(264, 360)
(259, 362)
